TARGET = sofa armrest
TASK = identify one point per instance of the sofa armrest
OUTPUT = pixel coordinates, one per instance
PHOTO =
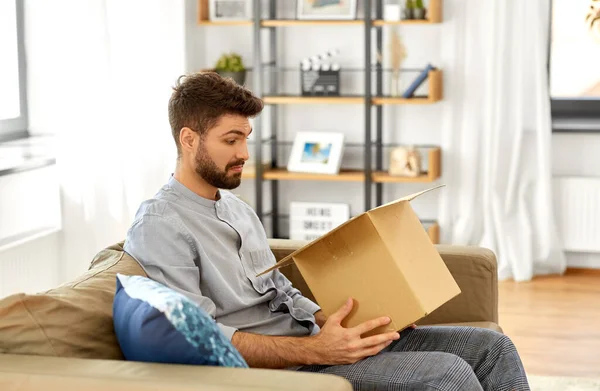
(473, 268)
(475, 271)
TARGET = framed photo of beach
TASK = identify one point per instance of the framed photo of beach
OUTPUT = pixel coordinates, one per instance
(317, 152)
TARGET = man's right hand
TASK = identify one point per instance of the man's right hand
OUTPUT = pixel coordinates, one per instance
(336, 345)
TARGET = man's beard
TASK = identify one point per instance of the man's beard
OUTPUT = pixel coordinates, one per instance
(208, 170)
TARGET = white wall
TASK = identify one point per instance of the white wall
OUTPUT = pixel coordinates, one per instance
(99, 76)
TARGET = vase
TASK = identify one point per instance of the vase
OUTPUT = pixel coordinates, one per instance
(419, 13)
(407, 13)
(395, 87)
(238, 77)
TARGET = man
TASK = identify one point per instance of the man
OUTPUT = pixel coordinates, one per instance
(199, 239)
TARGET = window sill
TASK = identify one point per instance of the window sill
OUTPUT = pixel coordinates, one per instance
(26, 154)
(575, 125)
(30, 198)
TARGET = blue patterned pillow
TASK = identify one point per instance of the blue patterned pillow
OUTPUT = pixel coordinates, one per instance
(154, 323)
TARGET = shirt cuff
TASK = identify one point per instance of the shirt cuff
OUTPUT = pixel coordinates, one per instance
(307, 305)
(227, 331)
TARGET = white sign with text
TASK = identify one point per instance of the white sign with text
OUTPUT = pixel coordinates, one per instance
(311, 220)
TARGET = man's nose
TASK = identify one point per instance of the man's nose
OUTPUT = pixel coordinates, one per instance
(243, 152)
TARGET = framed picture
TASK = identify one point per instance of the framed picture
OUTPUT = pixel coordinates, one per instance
(326, 9)
(316, 152)
(221, 10)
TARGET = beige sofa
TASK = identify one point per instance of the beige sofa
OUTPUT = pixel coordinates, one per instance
(63, 339)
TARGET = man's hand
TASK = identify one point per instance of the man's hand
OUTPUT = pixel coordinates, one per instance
(333, 345)
(338, 345)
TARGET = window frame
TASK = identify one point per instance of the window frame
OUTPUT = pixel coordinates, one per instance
(571, 115)
(17, 127)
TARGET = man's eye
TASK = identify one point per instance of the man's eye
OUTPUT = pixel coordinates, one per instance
(230, 142)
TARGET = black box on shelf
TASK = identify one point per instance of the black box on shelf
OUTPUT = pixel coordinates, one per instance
(320, 82)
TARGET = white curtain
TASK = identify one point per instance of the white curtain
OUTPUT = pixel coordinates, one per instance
(497, 134)
(100, 76)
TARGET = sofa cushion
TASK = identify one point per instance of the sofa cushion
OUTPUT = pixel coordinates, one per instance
(72, 320)
(154, 323)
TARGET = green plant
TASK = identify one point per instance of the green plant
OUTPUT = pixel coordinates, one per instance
(230, 63)
(410, 4)
(419, 4)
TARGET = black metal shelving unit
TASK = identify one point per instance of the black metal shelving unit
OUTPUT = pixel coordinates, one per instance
(373, 88)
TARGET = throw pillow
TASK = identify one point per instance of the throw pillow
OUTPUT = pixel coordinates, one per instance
(154, 323)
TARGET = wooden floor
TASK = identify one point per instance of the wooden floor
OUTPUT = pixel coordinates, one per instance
(555, 322)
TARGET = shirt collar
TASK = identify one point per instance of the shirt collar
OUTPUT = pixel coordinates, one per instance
(181, 188)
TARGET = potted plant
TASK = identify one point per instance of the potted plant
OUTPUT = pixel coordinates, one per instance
(409, 8)
(419, 11)
(232, 66)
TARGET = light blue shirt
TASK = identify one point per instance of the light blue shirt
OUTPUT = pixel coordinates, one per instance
(211, 251)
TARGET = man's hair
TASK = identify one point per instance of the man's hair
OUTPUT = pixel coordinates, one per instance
(200, 99)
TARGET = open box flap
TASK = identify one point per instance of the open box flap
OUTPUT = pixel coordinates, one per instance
(409, 197)
(289, 259)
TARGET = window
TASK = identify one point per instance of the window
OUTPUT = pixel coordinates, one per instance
(13, 101)
(575, 65)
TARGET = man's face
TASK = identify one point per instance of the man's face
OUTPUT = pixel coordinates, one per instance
(223, 151)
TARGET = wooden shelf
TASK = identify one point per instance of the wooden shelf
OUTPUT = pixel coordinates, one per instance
(434, 233)
(284, 175)
(384, 177)
(295, 22)
(403, 101)
(434, 93)
(379, 23)
(434, 156)
(283, 100)
(434, 15)
(249, 171)
(434, 159)
(290, 100)
(250, 174)
(225, 23)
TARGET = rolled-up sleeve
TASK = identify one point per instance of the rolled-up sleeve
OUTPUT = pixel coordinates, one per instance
(282, 282)
(164, 249)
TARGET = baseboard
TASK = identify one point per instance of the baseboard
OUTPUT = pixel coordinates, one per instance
(583, 260)
(572, 271)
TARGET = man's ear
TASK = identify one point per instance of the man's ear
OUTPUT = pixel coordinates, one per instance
(188, 140)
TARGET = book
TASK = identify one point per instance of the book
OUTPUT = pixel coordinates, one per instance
(410, 91)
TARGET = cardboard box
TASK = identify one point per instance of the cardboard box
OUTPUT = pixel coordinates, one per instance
(384, 260)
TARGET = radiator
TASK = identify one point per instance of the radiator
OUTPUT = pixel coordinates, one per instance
(577, 208)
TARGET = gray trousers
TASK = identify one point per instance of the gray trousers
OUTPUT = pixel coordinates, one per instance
(438, 358)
